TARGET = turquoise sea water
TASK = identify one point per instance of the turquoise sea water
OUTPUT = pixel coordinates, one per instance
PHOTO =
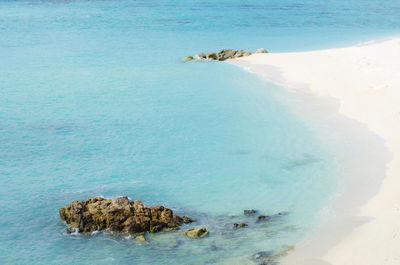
(96, 101)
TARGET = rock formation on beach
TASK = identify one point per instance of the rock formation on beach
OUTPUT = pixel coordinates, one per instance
(223, 55)
(119, 215)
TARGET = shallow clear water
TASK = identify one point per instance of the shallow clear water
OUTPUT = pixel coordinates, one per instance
(95, 100)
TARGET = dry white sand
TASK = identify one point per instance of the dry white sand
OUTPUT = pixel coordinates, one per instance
(365, 79)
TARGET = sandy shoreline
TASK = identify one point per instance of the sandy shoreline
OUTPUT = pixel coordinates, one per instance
(365, 80)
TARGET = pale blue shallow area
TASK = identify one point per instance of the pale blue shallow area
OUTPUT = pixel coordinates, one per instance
(96, 101)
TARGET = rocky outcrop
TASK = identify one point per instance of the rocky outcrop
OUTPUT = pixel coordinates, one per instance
(119, 215)
(196, 232)
(223, 55)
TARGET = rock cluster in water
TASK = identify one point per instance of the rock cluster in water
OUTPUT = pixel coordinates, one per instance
(134, 218)
(223, 55)
(119, 215)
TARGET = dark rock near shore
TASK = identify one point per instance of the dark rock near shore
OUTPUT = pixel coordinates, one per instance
(281, 214)
(262, 217)
(187, 220)
(119, 215)
(249, 212)
(212, 56)
(271, 218)
(236, 225)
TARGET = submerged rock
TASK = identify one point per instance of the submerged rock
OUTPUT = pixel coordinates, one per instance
(249, 212)
(196, 232)
(262, 217)
(236, 225)
(188, 58)
(264, 257)
(269, 257)
(213, 248)
(119, 215)
(187, 220)
(271, 218)
(141, 238)
(284, 252)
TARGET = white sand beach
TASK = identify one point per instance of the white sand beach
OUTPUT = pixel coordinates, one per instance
(365, 79)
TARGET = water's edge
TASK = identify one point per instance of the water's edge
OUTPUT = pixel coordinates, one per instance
(358, 164)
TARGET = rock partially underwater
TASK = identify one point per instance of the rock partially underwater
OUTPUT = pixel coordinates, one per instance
(196, 232)
(223, 55)
(241, 225)
(249, 212)
(271, 258)
(119, 215)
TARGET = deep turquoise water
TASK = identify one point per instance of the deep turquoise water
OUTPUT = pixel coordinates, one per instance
(95, 100)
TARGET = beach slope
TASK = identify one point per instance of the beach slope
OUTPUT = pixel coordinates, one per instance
(365, 79)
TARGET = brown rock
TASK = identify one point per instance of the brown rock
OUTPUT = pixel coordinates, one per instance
(119, 215)
(196, 232)
(212, 56)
